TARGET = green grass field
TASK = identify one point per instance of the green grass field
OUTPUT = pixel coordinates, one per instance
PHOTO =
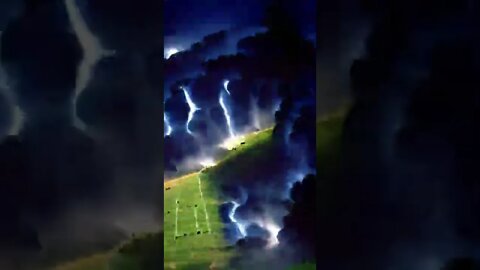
(194, 237)
(193, 230)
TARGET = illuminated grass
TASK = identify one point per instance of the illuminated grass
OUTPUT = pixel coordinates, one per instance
(257, 149)
(200, 251)
(184, 244)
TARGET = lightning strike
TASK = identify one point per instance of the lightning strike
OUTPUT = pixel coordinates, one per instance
(227, 116)
(192, 106)
(225, 86)
(92, 51)
(273, 230)
(241, 227)
(168, 127)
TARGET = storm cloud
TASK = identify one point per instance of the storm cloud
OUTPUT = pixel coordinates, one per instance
(406, 181)
(106, 175)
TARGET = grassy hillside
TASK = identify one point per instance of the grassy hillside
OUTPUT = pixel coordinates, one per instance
(193, 240)
(193, 250)
(328, 139)
(257, 150)
(193, 230)
(139, 253)
(194, 236)
(94, 262)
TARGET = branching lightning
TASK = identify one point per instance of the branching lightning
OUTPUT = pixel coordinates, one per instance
(192, 106)
(92, 50)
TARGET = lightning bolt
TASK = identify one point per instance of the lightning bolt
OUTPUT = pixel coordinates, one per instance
(273, 230)
(92, 50)
(227, 115)
(241, 227)
(225, 86)
(168, 127)
(192, 106)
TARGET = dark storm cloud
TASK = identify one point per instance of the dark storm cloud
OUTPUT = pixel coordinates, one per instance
(122, 108)
(50, 166)
(221, 15)
(41, 87)
(303, 134)
(256, 75)
(188, 63)
(300, 224)
(113, 21)
(407, 183)
(55, 176)
(5, 114)
(124, 113)
(213, 15)
(8, 10)
(342, 28)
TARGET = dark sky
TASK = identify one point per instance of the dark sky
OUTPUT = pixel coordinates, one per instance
(188, 21)
(406, 194)
(233, 37)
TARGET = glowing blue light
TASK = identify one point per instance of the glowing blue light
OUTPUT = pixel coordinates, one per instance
(227, 116)
(169, 52)
(225, 86)
(273, 229)
(192, 106)
(240, 226)
(168, 127)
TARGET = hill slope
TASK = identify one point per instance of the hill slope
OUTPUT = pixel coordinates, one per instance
(194, 232)
(193, 241)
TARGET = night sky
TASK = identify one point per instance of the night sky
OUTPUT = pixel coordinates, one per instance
(188, 21)
(219, 41)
